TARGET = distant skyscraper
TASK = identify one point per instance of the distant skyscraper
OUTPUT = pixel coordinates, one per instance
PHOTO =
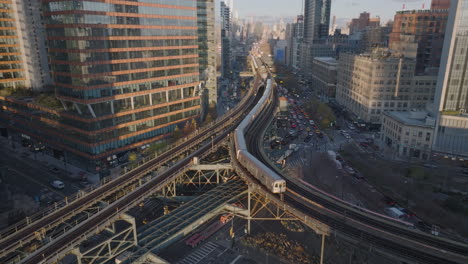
(452, 99)
(316, 27)
(207, 47)
(12, 75)
(363, 22)
(22, 39)
(225, 40)
(316, 20)
(428, 28)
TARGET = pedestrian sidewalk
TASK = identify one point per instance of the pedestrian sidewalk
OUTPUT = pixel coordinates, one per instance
(48, 161)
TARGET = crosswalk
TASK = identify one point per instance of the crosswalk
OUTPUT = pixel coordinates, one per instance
(295, 162)
(199, 254)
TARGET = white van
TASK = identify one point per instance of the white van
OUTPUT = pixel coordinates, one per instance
(394, 212)
(58, 184)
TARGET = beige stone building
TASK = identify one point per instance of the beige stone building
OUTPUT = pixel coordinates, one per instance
(408, 134)
(371, 84)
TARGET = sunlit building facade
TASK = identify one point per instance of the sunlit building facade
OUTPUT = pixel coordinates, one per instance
(125, 74)
(452, 91)
(12, 72)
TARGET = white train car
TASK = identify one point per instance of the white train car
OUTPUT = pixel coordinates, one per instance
(274, 182)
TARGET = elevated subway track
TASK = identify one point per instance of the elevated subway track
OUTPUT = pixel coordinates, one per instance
(54, 250)
(12, 242)
(357, 224)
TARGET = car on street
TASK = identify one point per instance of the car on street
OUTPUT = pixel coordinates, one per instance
(430, 166)
(351, 126)
(57, 184)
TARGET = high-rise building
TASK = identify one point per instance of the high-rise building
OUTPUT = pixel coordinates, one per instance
(24, 63)
(316, 27)
(370, 84)
(125, 74)
(207, 47)
(12, 73)
(452, 89)
(225, 40)
(428, 28)
(295, 37)
(316, 20)
(32, 32)
(363, 22)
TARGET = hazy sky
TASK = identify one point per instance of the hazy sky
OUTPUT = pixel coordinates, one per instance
(341, 8)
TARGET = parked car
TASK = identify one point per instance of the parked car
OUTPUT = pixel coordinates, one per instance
(430, 166)
(394, 213)
(307, 139)
(57, 184)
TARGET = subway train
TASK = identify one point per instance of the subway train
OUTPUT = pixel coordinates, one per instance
(274, 182)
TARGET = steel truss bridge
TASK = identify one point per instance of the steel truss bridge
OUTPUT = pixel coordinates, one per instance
(95, 225)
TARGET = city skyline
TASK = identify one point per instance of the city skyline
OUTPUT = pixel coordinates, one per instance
(342, 9)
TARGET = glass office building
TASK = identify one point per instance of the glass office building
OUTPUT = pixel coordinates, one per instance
(125, 74)
(11, 69)
(452, 124)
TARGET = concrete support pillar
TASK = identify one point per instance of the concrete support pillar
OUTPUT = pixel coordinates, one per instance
(322, 249)
(182, 92)
(167, 96)
(249, 208)
(150, 99)
(132, 103)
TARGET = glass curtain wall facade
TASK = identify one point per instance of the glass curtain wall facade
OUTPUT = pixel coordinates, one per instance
(207, 47)
(452, 123)
(12, 74)
(126, 72)
(316, 20)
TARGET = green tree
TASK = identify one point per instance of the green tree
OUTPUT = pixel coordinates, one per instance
(193, 125)
(132, 157)
(177, 133)
(187, 128)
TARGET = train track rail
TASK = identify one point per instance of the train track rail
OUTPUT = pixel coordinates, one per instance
(69, 240)
(13, 242)
(356, 224)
